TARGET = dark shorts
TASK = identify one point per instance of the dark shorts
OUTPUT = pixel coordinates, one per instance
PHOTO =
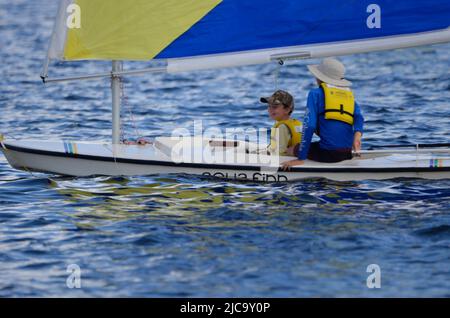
(323, 155)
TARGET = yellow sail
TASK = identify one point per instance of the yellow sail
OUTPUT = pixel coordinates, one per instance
(130, 30)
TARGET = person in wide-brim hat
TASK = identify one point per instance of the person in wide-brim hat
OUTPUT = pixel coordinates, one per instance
(333, 114)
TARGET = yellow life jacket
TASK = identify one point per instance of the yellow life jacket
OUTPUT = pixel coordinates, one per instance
(295, 128)
(339, 103)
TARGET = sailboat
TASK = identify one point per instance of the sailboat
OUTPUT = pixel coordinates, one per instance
(193, 35)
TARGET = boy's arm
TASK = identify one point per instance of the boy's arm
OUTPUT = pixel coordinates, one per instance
(285, 136)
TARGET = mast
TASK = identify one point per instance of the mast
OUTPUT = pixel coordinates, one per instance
(115, 93)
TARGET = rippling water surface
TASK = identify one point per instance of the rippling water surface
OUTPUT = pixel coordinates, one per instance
(179, 235)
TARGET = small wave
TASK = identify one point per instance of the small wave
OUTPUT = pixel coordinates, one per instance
(146, 240)
(39, 222)
(26, 184)
(440, 231)
(77, 97)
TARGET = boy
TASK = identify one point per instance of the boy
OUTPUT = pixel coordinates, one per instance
(286, 130)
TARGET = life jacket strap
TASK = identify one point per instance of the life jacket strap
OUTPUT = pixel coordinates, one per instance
(341, 111)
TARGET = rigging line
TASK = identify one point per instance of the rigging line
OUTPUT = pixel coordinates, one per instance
(127, 106)
(276, 73)
(122, 130)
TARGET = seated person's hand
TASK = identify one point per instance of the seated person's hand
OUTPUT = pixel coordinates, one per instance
(128, 142)
(142, 141)
(288, 164)
(357, 142)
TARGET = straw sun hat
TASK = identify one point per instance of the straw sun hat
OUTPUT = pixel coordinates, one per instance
(330, 71)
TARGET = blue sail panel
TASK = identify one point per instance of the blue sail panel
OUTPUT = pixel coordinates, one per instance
(246, 25)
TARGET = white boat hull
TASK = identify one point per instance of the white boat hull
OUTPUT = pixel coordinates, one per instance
(88, 159)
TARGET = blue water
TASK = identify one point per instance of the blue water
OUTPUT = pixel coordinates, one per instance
(179, 235)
